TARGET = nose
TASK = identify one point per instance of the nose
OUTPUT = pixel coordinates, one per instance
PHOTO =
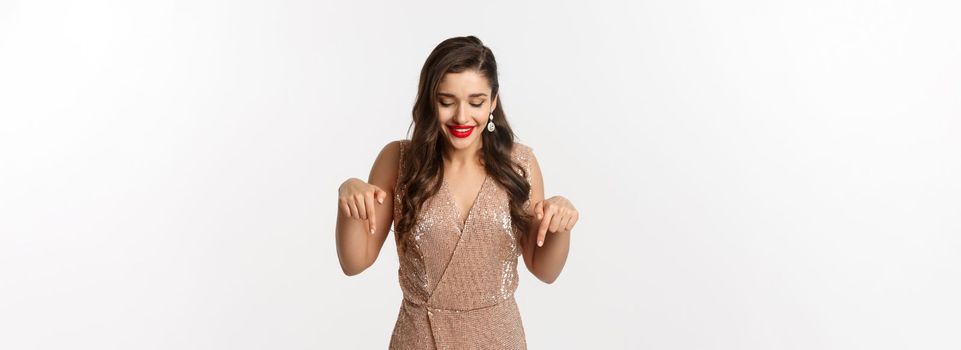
(463, 116)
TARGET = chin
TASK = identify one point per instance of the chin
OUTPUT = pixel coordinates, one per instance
(460, 143)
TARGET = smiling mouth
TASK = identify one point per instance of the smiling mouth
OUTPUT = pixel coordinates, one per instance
(460, 131)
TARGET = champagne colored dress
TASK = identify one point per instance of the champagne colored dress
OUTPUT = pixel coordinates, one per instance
(458, 282)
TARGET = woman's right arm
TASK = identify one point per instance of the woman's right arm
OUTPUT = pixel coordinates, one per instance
(358, 203)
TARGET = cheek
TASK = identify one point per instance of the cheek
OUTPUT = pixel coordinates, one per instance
(443, 116)
(482, 120)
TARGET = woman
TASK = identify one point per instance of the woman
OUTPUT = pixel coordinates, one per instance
(466, 202)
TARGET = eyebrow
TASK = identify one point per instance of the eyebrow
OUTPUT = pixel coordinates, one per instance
(479, 94)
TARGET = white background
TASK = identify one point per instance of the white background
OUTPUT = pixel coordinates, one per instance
(750, 174)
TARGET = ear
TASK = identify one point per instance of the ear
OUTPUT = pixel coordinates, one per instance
(494, 102)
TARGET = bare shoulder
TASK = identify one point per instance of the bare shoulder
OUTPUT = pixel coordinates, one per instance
(384, 172)
(393, 147)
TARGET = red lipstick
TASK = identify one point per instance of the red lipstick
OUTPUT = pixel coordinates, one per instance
(462, 133)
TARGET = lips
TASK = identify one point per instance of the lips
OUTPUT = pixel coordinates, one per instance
(460, 131)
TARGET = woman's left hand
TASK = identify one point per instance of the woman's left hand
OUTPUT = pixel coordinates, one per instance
(556, 214)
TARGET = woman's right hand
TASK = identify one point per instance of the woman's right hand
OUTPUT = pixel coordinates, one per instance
(356, 200)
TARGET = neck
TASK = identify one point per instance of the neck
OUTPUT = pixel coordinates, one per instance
(460, 158)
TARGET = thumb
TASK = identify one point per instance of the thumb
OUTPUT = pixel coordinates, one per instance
(381, 195)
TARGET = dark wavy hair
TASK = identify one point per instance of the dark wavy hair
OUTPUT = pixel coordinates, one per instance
(423, 160)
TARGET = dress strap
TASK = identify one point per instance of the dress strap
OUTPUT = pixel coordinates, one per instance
(522, 155)
(404, 144)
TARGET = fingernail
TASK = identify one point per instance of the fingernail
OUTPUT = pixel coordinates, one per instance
(540, 243)
(380, 200)
(371, 231)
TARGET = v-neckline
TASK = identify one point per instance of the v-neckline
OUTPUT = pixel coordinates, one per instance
(462, 222)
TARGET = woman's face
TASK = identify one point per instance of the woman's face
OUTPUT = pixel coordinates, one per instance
(464, 105)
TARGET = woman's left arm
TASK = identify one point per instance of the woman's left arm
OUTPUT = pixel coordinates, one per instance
(550, 231)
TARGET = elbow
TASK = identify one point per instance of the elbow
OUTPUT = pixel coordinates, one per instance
(352, 270)
(548, 278)
(353, 265)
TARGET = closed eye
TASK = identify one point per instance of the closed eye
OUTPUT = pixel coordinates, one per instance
(450, 104)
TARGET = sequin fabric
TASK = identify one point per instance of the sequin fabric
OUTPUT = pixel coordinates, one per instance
(458, 282)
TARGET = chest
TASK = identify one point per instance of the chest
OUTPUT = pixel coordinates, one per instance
(464, 191)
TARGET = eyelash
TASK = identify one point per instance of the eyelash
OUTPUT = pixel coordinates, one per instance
(449, 104)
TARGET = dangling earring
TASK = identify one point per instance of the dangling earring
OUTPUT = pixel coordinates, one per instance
(490, 124)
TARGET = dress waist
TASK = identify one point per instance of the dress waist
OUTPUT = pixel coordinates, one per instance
(434, 308)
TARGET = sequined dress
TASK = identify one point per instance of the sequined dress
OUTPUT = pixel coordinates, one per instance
(458, 282)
